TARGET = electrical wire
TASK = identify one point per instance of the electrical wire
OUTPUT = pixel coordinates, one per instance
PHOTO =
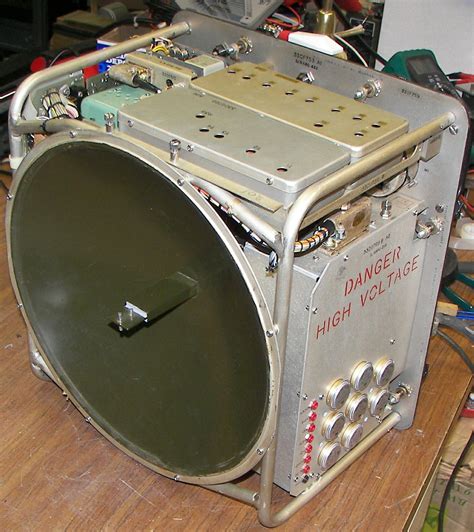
(293, 10)
(62, 52)
(459, 350)
(449, 484)
(291, 24)
(466, 203)
(361, 41)
(351, 48)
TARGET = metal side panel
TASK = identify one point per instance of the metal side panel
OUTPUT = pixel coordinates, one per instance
(362, 310)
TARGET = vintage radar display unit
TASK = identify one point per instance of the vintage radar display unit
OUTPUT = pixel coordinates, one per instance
(227, 250)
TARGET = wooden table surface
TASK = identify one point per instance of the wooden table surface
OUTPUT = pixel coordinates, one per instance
(57, 472)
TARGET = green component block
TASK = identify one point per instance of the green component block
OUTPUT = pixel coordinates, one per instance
(94, 107)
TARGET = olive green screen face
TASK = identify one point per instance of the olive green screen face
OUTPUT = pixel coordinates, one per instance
(91, 227)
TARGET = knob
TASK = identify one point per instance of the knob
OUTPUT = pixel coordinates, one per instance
(352, 435)
(378, 400)
(338, 394)
(357, 406)
(332, 425)
(329, 454)
(383, 370)
(362, 375)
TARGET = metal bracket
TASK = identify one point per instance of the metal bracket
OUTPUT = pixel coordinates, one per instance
(163, 297)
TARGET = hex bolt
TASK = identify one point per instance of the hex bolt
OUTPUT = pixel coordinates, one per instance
(386, 210)
(109, 120)
(175, 146)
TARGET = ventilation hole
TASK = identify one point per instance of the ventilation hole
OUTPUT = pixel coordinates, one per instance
(309, 100)
(335, 110)
(289, 93)
(204, 130)
(357, 117)
(358, 134)
(376, 125)
(246, 77)
(282, 169)
(219, 136)
(231, 72)
(251, 151)
(200, 115)
(318, 124)
(266, 84)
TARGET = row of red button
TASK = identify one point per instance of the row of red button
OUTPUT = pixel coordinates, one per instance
(309, 437)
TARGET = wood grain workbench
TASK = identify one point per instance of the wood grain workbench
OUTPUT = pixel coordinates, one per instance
(57, 472)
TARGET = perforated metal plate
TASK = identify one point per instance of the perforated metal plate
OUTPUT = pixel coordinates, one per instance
(357, 126)
(244, 144)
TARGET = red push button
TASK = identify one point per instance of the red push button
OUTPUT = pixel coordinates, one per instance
(312, 416)
(307, 459)
(311, 427)
(308, 448)
(309, 438)
(314, 405)
(306, 469)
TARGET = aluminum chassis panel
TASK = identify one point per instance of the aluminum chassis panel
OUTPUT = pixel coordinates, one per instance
(429, 114)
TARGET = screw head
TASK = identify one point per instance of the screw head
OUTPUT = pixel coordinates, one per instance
(269, 333)
(453, 129)
(269, 181)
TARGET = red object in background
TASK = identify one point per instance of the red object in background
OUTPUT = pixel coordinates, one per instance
(350, 5)
(40, 63)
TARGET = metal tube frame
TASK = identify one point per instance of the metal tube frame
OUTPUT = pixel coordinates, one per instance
(283, 243)
(17, 137)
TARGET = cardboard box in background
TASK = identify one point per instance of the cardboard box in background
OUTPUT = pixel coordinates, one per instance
(459, 514)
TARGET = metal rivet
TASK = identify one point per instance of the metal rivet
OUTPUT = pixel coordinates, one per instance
(9, 196)
(20, 305)
(88, 419)
(346, 257)
(130, 123)
(269, 333)
(180, 182)
(260, 451)
(73, 134)
(176, 477)
(190, 147)
(269, 181)
(440, 207)
(392, 341)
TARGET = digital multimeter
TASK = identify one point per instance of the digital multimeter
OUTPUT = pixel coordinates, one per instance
(421, 67)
